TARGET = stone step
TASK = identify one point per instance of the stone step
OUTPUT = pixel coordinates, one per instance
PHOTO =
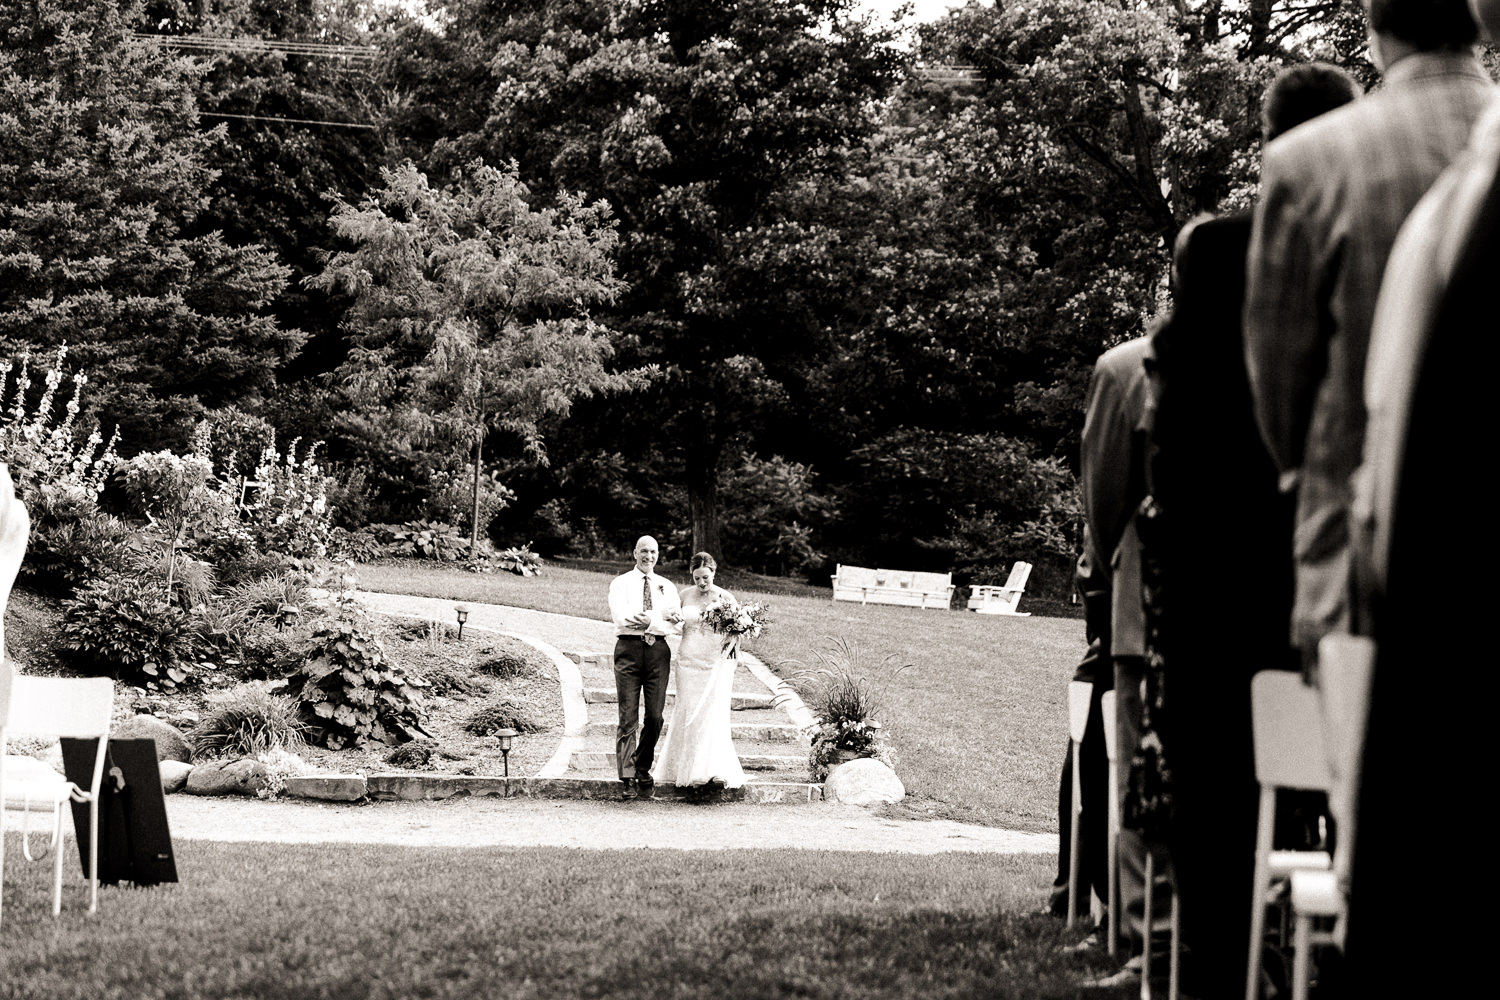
(763, 732)
(418, 787)
(604, 760)
(739, 702)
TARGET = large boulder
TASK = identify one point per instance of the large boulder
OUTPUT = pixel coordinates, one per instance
(170, 743)
(227, 777)
(864, 781)
(174, 775)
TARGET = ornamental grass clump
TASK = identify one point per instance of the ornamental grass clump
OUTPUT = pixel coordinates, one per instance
(248, 721)
(845, 702)
(502, 714)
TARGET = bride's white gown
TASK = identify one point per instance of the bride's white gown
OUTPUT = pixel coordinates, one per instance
(698, 747)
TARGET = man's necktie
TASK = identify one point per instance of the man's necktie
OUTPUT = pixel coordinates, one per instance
(646, 605)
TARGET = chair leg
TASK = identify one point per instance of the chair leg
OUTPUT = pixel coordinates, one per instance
(1257, 929)
(1175, 958)
(1150, 924)
(1302, 957)
(94, 855)
(57, 854)
(1074, 843)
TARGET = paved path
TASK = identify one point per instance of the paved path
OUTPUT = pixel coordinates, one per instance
(484, 822)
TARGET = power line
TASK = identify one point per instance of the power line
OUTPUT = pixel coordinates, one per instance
(207, 43)
(291, 121)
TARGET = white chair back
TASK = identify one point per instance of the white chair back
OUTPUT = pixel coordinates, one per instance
(60, 706)
(1079, 693)
(1288, 727)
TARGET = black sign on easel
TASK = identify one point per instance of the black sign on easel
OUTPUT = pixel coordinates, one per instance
(135, 844)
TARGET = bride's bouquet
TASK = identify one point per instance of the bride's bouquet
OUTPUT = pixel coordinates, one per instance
(735, 621)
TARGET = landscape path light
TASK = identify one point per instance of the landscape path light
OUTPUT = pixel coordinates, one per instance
(286, 614)
(506, 737)
(463, 616)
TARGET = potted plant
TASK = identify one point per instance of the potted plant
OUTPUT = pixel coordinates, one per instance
(841, 696)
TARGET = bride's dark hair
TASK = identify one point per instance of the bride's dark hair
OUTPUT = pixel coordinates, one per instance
(702, 559)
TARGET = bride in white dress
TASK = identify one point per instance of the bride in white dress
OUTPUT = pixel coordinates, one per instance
(699, 751)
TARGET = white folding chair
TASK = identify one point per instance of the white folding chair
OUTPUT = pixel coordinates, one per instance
(1079, 694)
(1288, 730)
(1112, 906)
(51, 707)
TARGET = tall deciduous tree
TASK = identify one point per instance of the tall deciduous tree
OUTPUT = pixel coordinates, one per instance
(689, 118)
(103, 172)
(473, 308)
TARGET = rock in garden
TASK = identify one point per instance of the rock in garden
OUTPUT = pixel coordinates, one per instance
(170, 743)
(227, 777)
(174, 775)
(863, 782)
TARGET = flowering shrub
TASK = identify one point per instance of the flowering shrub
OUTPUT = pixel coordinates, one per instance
(349, 694)
(39, 446)
(287, 512)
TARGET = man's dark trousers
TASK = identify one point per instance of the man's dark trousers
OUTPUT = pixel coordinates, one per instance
(641, 669)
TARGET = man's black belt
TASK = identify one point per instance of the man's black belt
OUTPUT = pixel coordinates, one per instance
(648, 638)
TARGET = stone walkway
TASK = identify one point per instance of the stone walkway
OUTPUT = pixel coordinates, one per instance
(488, 822)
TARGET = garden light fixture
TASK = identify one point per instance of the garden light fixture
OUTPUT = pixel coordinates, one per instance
(463, 616)
(286, 614)
(505, 736)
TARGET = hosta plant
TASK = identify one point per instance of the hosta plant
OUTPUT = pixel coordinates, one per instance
(126, 628)
(349, 693)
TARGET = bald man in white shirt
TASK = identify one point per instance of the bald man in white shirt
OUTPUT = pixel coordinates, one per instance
(645, 609)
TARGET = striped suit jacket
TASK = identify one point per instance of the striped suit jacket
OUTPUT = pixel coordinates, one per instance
(1334, 193)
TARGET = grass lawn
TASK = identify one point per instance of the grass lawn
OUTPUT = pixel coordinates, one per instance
(388, 922)
(979, 721)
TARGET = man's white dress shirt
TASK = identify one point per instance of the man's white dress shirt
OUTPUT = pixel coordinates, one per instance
(627, 598)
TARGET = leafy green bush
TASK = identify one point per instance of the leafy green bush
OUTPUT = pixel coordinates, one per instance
(772, 512)
(424, 539)
(246, 721)
(248, 567)
(349, 694)
(417, 753)
(359, 546)
(520, 561)
(121, 627)
(450, 500)
(502, 714)
(66, 552)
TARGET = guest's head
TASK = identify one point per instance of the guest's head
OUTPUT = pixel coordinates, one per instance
(646, 553)
(704, 567)
(1302, 92)
(1399, 28)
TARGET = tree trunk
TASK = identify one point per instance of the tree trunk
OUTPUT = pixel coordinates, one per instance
(703, 508)
(474, 514)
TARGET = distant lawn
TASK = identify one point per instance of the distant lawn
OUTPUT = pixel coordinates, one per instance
(979, 721)
(298, 921)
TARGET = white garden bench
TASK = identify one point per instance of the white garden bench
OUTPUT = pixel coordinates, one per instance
(991, 600)
(888, 586)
